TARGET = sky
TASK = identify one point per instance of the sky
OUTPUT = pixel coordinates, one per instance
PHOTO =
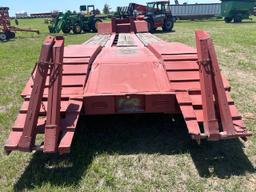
(35, 6)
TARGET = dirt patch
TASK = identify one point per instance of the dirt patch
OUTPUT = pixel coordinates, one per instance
(2, 109)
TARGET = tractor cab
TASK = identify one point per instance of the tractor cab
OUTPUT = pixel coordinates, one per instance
(159, 15)
(160, 7)
(89, 9)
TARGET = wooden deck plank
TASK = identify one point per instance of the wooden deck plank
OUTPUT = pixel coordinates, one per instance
(125, 40)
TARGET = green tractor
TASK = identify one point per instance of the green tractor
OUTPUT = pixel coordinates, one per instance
(236, 10)
(76, 22)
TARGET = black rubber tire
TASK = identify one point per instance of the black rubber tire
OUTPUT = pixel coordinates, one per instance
(168, 25)
(66, 29)
(228, 19)
(151, 27)
(94, 27)
(8, 34)
(237, 19)
(12, 35)
(3, 37)
(77, 29)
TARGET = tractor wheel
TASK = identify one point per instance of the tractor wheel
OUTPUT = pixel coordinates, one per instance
(228, 19)
(168, 25)
(77, 29)
(237, 19)
(95, 26)
(151, 27)
(66, 29)
(3, 37)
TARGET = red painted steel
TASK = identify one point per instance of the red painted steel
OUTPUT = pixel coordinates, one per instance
(211, 126)
(122, 73)
(4, 20)
(29, 133)
(123, 26)
(212, 88)
(52, 127)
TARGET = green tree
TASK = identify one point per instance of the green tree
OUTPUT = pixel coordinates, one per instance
(106, 9)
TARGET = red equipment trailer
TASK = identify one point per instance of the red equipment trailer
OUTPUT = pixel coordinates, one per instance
(123, 70)
(6, 30)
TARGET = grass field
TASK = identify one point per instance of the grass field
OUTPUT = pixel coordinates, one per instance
(135, 153)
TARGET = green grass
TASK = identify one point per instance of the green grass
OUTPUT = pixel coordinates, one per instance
(135, 153)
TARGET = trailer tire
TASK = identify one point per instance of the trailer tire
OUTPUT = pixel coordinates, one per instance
(3, 37)
(237, 19)
(66, 29)
(77, 29)
(168, 25)
(228, 19)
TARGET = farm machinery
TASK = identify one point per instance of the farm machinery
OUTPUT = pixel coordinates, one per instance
(123, 70)
(236, 10)
(6, 30)
(76, 22)
(157, 14)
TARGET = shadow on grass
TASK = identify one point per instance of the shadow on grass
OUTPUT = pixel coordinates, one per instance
(132, 135)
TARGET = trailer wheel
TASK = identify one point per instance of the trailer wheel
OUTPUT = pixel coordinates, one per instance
(66, 29)
(3, 37)
(237, 19)
(168, 25)
(228, 19)
(77, 29)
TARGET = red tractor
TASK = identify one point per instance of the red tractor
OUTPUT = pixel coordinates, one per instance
(157, 14)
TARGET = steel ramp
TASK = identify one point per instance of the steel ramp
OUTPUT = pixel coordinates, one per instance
(74, 74)
(68, 124)
(185, 76)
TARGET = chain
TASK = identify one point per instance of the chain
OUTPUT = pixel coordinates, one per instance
(54, 75)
